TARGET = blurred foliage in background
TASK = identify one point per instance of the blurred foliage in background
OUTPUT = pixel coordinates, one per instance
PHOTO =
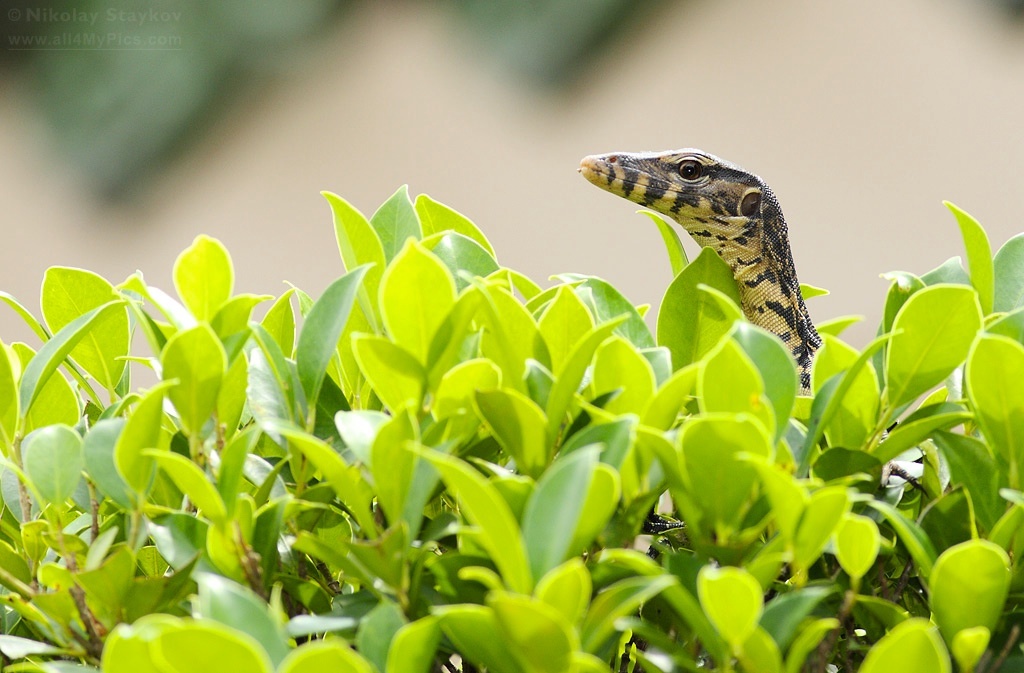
(125, 84)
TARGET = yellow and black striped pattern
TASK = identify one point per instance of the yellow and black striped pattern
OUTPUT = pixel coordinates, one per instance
(732, 211)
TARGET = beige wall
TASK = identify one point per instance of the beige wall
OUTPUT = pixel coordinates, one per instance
(862, 114)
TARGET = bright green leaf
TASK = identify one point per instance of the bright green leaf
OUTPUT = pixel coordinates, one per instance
(979, 256)
(993, 375)
(932, 333)
(913, 646)
(68, 293)
(196, 358)
(968, 587)
(733, 601)
(676, 254)
(857, 542)
(484, 507)
(437, 217)
(691, 322)
(416, 294)
(204, 277)
(324, 655)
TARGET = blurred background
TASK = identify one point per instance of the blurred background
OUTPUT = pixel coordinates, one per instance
(128, 127)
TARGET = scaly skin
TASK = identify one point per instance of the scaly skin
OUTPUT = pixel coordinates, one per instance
(732, 211)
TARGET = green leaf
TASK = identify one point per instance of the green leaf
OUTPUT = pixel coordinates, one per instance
(417, 292)
(564, 322)
(393, 372)
(784, 614)
(919, 426)
(821, 516)
(913, 646)
(395, 222)
(324, 655)
(837, 326)
(10, 367)
(674, 247)
(510, 335)
(519, 425)
(233, 316)
(950, 271)
(98, 454)
(280, 322)
(437, 217)
(729, 382)
(619, 366)
(377, 631)
(567, 588)
(321, 330)
(910, 534)
(476, 634)
(760, 654)
(484, 507)
(857, 542)
(539, 636)
(53, 352)
(979, 256)
(827, 401)
(993, 386)
(53, 461)
(208, 647)
(972, 465)
(346, 481)
(459, 384)
(191, 481)
(414, 646)
(57, 401)
(808, 291)
(903, 286)
(15, 647)
(969, 645)
(141, 431)
(1009, 275)
(69, 293)
(931, 335)
(857, 411)
(204, 277)
(607, 303)
(733, 601)
(615, 602)
(968, 587)
(691, 322)
(553, 511)
(196, 358)
(464, 257)
(561, 396)
(239, 608)
(718, 482)
(777, 368)
(807, 641)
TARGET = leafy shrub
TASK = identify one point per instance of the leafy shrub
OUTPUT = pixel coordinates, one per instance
(447, 468)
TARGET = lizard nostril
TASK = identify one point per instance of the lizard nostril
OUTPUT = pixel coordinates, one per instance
(612, 159)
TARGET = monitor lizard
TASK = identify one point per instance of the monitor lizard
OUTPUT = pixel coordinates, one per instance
(732, 211)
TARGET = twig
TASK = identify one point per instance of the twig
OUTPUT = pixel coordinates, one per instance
(1005, 652)
(826, 645)
(904, 580)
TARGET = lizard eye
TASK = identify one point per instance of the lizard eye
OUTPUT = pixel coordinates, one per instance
(750, 203)
(690, 169)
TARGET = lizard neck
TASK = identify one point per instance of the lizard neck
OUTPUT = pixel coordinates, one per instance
(758, 252)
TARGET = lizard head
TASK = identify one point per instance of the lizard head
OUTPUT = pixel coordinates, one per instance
(717, 202)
